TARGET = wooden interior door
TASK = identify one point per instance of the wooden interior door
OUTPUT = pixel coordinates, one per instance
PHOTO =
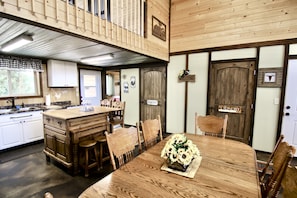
(231, 91)
(153, 93)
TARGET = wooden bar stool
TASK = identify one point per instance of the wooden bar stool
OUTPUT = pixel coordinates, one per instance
(85, 147)
(102, 147)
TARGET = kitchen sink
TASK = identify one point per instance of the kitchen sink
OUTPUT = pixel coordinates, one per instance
(5, 110)
(24, 108)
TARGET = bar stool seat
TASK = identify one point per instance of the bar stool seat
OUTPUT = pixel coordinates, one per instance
(102, 147)
(85, 147)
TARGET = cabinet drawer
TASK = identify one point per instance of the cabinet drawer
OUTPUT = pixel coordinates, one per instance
(52, 130)
(55, 122)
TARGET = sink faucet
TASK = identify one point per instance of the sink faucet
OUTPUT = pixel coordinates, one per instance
(12, 100)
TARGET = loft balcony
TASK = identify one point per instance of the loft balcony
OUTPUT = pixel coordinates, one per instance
(126, 24)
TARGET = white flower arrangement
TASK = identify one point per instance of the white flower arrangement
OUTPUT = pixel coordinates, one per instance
(179, 149)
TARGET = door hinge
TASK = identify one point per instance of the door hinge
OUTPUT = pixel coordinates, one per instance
(255, 72)
(252, 106)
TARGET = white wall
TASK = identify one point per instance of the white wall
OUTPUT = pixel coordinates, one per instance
(267, 102)
(132, 97)
(197, 91)
(175, 95)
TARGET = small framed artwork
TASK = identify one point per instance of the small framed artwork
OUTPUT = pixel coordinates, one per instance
(159, 29)
(270, 77)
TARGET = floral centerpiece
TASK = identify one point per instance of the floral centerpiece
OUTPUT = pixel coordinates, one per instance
(179, 152)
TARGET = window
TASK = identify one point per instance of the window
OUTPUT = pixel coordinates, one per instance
(19, 83)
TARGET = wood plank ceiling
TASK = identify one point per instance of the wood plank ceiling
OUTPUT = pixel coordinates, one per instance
(49, 44)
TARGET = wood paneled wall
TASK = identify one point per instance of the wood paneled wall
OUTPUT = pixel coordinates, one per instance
(200, 24)
(71, 18)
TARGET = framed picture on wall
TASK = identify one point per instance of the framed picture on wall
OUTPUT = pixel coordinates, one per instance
(159, 29)
(270, 77)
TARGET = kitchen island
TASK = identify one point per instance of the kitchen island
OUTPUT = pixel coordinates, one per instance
(64, 129)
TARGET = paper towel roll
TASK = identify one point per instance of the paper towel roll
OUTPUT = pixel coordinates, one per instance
(48, 100)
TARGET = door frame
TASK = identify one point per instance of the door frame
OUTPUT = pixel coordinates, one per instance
(163, 121)
(256, 60)
(283, 89)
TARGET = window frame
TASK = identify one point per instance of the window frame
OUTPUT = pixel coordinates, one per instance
(37, 84)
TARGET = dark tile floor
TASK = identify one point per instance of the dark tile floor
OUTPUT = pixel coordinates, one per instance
(24, 173)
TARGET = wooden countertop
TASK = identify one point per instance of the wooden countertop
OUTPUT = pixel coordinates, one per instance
(66, 114)
(228, 169)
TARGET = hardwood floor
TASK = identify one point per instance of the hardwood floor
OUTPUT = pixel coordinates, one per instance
(24, 172)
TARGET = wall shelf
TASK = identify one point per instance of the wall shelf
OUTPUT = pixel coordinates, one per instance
(187, 78)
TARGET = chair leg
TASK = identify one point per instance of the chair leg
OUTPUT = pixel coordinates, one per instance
(87, 162)
(96, 157)
(101, 155)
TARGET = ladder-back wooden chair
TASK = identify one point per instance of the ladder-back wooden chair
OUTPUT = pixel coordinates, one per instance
(211, 125)
(265, 167)
(117, 117)
(289, 183)
(151, 131)
(121, 145)
(283, 155)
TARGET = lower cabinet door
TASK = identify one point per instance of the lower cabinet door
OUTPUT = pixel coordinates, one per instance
(56, 145)
(33, 130)
(11, 134)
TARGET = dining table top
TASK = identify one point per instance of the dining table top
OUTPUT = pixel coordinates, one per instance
(228, 169)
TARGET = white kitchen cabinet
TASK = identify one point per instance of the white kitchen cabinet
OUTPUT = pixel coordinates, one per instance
(10, 135)
(20, 128)
(62, 74)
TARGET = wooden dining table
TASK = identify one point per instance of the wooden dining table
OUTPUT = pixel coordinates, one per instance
(227, 169)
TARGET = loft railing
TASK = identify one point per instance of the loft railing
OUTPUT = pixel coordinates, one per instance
(121, 22)
(127, 14)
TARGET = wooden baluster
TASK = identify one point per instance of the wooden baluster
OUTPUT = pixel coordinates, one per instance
(85, 13)
(67, 12)
(18, 4)
(92, 17)
(33, 7)
(112, 15)
(57, 10)
(105, 16)
(122, 21)
(76, 15)
(99, 18)
(45, 8)
(117, 23)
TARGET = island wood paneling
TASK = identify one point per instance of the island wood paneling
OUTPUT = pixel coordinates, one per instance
(204, 24)
(59, 14)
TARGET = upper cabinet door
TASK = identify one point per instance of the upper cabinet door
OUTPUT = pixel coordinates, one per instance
(62, 74)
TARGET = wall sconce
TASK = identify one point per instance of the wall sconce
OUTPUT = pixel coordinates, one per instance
(94, 59)
(16, 43)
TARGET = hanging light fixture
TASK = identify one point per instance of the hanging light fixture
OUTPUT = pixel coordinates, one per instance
(94, 59)
(16, 43)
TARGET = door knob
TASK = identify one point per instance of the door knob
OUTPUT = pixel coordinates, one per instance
(288, 107)
(287, 114)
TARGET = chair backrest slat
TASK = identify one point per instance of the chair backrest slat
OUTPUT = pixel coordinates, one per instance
(281, 160)
(121, 145)
(151, 131)
(289, 182)
(264, 171)
(211, 125)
